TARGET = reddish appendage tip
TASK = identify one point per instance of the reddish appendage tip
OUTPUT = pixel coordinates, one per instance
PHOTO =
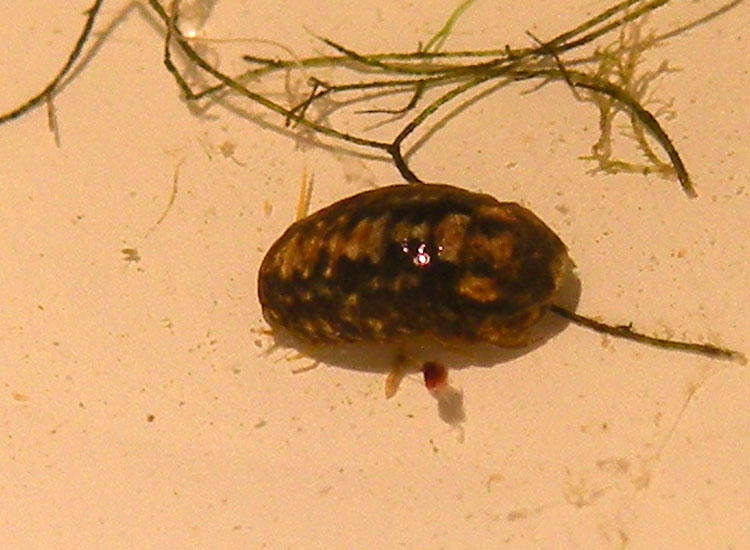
(435, 376)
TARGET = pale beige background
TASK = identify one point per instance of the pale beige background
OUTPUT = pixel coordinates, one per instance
(583, 443)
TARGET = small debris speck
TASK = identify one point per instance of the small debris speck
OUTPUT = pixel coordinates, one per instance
(227, 149)
(131, 255)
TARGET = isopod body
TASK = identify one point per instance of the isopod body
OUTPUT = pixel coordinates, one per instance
(407, 261)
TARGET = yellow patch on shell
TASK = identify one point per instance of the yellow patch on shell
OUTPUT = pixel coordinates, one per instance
(449, 235)
(479, 289)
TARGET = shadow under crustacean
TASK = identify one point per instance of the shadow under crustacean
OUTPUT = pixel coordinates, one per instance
(380, 357)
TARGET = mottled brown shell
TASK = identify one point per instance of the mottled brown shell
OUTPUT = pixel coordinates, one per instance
(412, 260)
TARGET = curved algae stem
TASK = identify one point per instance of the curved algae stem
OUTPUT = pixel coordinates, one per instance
(416, 95)
(49, 89)
(644, 116)
(600, 85)
(624, 331)
(395, 146)
(645, 148)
